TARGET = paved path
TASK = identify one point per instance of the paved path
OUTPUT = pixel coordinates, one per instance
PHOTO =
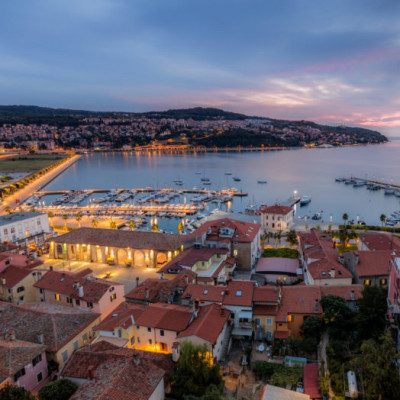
(36, 185)
(324, 343)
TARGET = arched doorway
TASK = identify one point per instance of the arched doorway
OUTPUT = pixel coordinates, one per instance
(122, 256)
(138, 259)
(161, 258)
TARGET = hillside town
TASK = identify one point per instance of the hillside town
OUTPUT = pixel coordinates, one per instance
(117, 314)
(128, 131)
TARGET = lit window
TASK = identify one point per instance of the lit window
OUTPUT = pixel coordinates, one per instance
(383, 282)
(113, 296)
(69, 300)
(57, 297)
(367, 282)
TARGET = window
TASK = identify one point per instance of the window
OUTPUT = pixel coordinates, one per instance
(76, 345)
(383, 282)
(69, 300)
(38, 221)
(77, 302)
(85, 337)
(13, 230)
(41, 290)
(57, 297)
(89, 304)
(113, 296)
(20, 289)
(20, 373)
(235, 253)
(238, 293)
(148, 329)
(138, 339)
(39, 376)
(37, 360)
(120, 333)
(367, 282)
(269, 321)
(138, 327)
(258, 322)
(132, 339)
(269, 335)
(5, 231)
(21, 299)
(161, 332)
(65, 355)
(163, 346)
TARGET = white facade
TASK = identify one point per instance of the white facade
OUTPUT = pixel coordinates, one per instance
(23, 225)
(277, 222)
(243, 317)
(154, 339)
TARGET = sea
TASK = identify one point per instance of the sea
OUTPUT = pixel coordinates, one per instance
(305, 171)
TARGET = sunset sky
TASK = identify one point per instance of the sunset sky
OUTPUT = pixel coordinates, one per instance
(328, 61)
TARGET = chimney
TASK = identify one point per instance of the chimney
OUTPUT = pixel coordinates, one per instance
(51, 268)
(352, 295)
(222, 311)
(186, 280)
(332, 272)
(137, 281)
(316, 305)
(3, 281)
(136, 358)
(40, 338)
(147, 293)
(197, 305)
(356, 258)
(90, 371)
(80, 290)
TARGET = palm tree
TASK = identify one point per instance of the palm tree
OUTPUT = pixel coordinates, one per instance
(345, 218)
(51, 216)
(291, 237)
(113, 225)
(277, 238)
(65, 217)
(131, 225)
(95, 223)
(8, 210)
(78, 218)
(383, 219)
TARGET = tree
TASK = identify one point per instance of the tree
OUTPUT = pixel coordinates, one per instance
(113, 224)
(65, 217)
(291, 237)
(8, 210)
(194, 373)
(277, 238)
(61, 389)
(377, 366)
(95, 223)
(51, 216)
(311, 331)
(78, 218)
(131, 225)
(337, 315)
(345, 218)
(383, 219)
(10, 392)
(372, 310)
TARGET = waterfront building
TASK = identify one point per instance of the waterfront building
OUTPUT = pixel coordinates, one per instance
(276, 218)
(61, 329)
(118, 327)
(131, 248)
(80, 290)
(103, 370)
(22, 363)
(241, 238)
(24, 228)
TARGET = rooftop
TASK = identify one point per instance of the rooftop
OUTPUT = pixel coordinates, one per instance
(239, 293)
(277, 265)
(276, 209)
(19, 216)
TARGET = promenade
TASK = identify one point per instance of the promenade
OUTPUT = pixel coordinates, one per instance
(28, 190)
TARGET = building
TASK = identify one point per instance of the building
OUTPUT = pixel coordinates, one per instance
(204, 294)
(320, 260)
(378, 241)
(118, 327)
(116, 247)
(278, 269)
(106, 372)
(276, 218)
(80, 290)
(22, 363)
(24, 227)
(271, 392)
(211, 266)
(211, 328)
(242, 239)
(369, 267)
(61, 329)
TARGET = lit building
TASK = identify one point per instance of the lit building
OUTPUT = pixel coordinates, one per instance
(276, 218)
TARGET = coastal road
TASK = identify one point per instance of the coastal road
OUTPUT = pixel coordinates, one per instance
(36, 185)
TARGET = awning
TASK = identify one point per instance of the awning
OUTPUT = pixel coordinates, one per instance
(246, 314)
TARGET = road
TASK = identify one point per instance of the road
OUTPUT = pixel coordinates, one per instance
(36, 185)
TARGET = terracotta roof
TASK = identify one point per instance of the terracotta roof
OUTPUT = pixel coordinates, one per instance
(311, 380)
(265, 310)
(240, 293)
(118, 373)
(214, 294)
(17, 354)
(189, 257)
(165, 316)
(373, 263)
(277, 265)
(348, 292)
(57, 325)
(122, 239)
(243, 231)
(123, 316)
(10, 276)
(276, 209)
(380, 241)
(208, 324)
(65, 282)
(266, 294)
(323, 269)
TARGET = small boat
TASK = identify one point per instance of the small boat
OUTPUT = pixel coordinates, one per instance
(358, 183)
(389, 190)
(348, 181)
(316, 217)
(339, 179)
(236, 179)
(305, 200)
(261, 181)
(228, 173)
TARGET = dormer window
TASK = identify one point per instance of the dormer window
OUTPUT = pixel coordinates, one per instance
(238, 293)
(205, 291)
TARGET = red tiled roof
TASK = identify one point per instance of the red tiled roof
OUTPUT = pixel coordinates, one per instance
(265, 310)
(311, 380)
(121, 317)
(266, 294)
(243, 231)
(240, 293)
(208, 324)
(347, 292)
(10, 276)
(373, 263)
(165, 316)
(214, 294)
(276, 209)
(380, 241)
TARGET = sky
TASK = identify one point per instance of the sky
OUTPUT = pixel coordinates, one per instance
(330, 61)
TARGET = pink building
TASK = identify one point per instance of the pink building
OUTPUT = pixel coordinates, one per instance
(23, 363)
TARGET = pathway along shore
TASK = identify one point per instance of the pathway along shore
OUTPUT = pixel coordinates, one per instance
(27, 191)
